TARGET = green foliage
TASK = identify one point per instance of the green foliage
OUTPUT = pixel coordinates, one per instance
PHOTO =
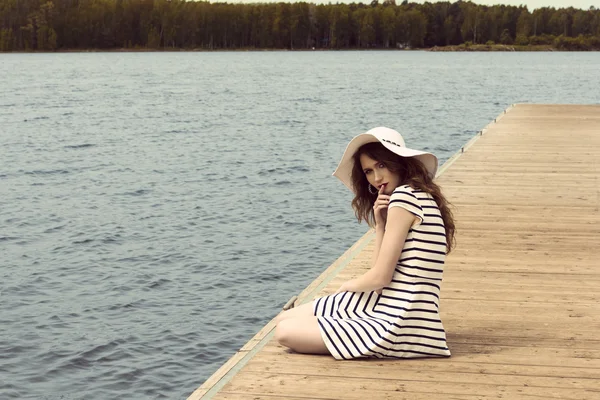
(542, 40)
(521, 40)
(48, 25)
(505, 37)
(580, 43)
(6, 39)
(490, 43)
(154, 38)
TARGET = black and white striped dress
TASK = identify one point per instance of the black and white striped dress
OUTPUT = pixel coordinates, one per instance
(403, 321)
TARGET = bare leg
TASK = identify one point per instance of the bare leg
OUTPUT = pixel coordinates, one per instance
(305, 310)
(301, 334)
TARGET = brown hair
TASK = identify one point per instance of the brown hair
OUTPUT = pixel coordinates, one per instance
(412, 172)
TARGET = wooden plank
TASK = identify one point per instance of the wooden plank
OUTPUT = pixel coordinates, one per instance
(490, 375)
(246, 396)
(359, 389)
(294, 363)
(319, 396)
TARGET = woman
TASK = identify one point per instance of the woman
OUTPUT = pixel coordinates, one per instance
(393, 309)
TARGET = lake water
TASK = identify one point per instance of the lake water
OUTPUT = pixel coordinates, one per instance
(157, 209)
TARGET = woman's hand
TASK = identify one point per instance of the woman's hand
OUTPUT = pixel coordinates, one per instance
(346, 286)
(353, 285)
(381, 208)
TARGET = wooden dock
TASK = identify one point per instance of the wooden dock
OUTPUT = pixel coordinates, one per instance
(521, 293)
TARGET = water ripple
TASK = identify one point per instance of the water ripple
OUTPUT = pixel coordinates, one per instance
(79, 146)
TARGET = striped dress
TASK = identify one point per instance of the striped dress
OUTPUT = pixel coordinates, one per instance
(403, 321)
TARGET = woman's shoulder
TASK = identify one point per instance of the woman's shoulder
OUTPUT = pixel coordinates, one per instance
(406, 189)
(416, 195)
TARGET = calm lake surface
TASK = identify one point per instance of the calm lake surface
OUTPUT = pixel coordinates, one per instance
(157, 209)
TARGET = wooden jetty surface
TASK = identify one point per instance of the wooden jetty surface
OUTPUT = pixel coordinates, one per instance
(521, 293)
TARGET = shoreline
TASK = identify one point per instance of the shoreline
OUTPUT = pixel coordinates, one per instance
(454, 48)
(497, 47)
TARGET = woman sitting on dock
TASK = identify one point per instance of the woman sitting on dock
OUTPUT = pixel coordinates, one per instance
(393, 309)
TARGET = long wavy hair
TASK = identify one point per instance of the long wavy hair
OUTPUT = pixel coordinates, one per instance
(412, 172)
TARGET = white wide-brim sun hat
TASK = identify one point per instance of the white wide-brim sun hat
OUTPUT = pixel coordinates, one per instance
(393, 141)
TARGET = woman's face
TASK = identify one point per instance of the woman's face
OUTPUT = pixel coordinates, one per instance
(378, 174)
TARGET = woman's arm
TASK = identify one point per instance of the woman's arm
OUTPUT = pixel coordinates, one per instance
(399, 221)
(379, 231)
(380, 209)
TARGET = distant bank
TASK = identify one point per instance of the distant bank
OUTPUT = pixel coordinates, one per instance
(458, 48)
(498, 47)
(49, 25)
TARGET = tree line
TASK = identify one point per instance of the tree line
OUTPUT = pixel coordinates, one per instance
(49, 25)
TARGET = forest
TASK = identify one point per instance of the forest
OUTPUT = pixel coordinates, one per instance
(83, 25)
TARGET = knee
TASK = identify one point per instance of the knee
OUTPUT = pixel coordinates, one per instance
(283, 316)
(280, 318)
(283, 332)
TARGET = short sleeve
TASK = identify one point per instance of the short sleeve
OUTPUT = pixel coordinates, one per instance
(404, 197)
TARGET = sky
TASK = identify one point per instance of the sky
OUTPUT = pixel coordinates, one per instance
(531, 4)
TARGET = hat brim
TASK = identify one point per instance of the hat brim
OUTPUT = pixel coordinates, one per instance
(344, 169)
